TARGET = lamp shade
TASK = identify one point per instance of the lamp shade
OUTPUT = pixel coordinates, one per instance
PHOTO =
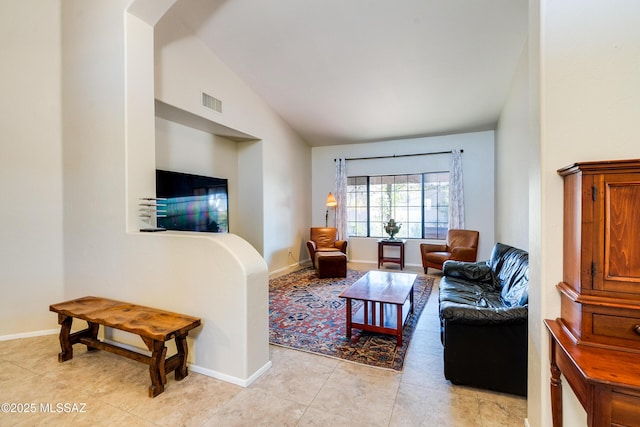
(331, 201)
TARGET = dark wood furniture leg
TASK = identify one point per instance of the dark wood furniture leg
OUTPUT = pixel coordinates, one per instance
(556, 387)
(349, 314)
(66, 348)
(399, 324)
(68, 339)
(157, 367)
(183, 350)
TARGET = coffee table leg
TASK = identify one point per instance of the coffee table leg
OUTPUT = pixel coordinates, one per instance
(348, 317)
(399, 324)
(411, 301)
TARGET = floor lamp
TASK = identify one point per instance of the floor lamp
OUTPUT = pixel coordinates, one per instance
(331, 202)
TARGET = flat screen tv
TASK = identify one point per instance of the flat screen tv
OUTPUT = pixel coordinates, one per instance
(193, 202)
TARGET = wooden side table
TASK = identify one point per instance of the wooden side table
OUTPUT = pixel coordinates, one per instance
(397, 243)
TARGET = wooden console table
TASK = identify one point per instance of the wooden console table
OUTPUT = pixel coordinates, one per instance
(154, 326)
(395, 243)
(606, 381)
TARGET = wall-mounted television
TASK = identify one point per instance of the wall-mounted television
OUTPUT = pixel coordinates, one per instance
(193, 202)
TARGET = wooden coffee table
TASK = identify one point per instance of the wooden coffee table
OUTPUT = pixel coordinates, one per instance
(387, 302)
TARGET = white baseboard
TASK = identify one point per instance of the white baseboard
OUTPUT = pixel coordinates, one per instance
(228, 378)
(29, 334)
(290, 268)
(204, 371)
(368, 261)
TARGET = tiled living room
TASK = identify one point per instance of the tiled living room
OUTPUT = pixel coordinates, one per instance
(74, 159)
(300, 389)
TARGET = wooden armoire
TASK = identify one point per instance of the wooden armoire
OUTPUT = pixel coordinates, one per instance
(595, 343)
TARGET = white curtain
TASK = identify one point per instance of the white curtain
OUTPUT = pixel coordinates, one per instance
(341, 198)
(456, 192)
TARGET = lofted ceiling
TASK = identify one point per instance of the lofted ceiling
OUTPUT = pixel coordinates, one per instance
(349, 71)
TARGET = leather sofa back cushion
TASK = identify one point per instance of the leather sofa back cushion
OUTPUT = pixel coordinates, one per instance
(511, 271)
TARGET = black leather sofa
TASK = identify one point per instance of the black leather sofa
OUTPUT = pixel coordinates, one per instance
(483, 308)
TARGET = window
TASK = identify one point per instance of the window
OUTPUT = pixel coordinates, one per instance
(420, 202)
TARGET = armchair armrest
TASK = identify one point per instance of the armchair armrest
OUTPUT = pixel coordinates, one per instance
(432, 247)
(460, 313)
(311, 245)
(341, 245)
(462, 253)
(472, 271)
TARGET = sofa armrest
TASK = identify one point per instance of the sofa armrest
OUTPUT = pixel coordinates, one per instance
(460, 313)
(472, 271)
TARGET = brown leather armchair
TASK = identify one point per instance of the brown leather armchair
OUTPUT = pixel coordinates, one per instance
(461, 245)
(324, 239)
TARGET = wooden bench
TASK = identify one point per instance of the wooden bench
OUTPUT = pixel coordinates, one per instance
(154, 326)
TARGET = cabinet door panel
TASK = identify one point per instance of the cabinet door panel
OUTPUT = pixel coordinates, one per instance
(618, 260)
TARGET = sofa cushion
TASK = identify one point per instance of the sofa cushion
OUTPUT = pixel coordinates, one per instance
(472, 271)
(486, 292)
(511, 271)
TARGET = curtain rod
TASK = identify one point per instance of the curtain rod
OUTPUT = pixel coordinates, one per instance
(399, 155)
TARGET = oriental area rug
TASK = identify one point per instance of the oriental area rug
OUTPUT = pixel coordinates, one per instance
(305, 313)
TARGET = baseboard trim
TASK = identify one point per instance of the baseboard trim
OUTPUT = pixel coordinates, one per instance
(231, 379)
(289, 269)
(205, 371)
(29, 334)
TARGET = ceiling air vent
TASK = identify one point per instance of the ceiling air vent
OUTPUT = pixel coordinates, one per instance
(211, 103)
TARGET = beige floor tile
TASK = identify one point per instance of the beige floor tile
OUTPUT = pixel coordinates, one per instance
(317, 418)
(298, 377)
(256, 408)
(421, 406)
(359, 393)
(498, 409)
(189, 402)
(98, 416)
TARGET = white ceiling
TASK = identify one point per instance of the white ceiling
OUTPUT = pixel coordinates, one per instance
(348, 71)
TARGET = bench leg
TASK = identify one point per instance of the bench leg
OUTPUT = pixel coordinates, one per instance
(156, 367)
(68, 339)
(92, 332)
(66, 347)
(183, 351)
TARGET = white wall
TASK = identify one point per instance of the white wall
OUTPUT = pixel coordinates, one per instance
(517, 219)
(513, 158)
(589, 104)
(31, 273)
(273, 174)
(477, 163)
